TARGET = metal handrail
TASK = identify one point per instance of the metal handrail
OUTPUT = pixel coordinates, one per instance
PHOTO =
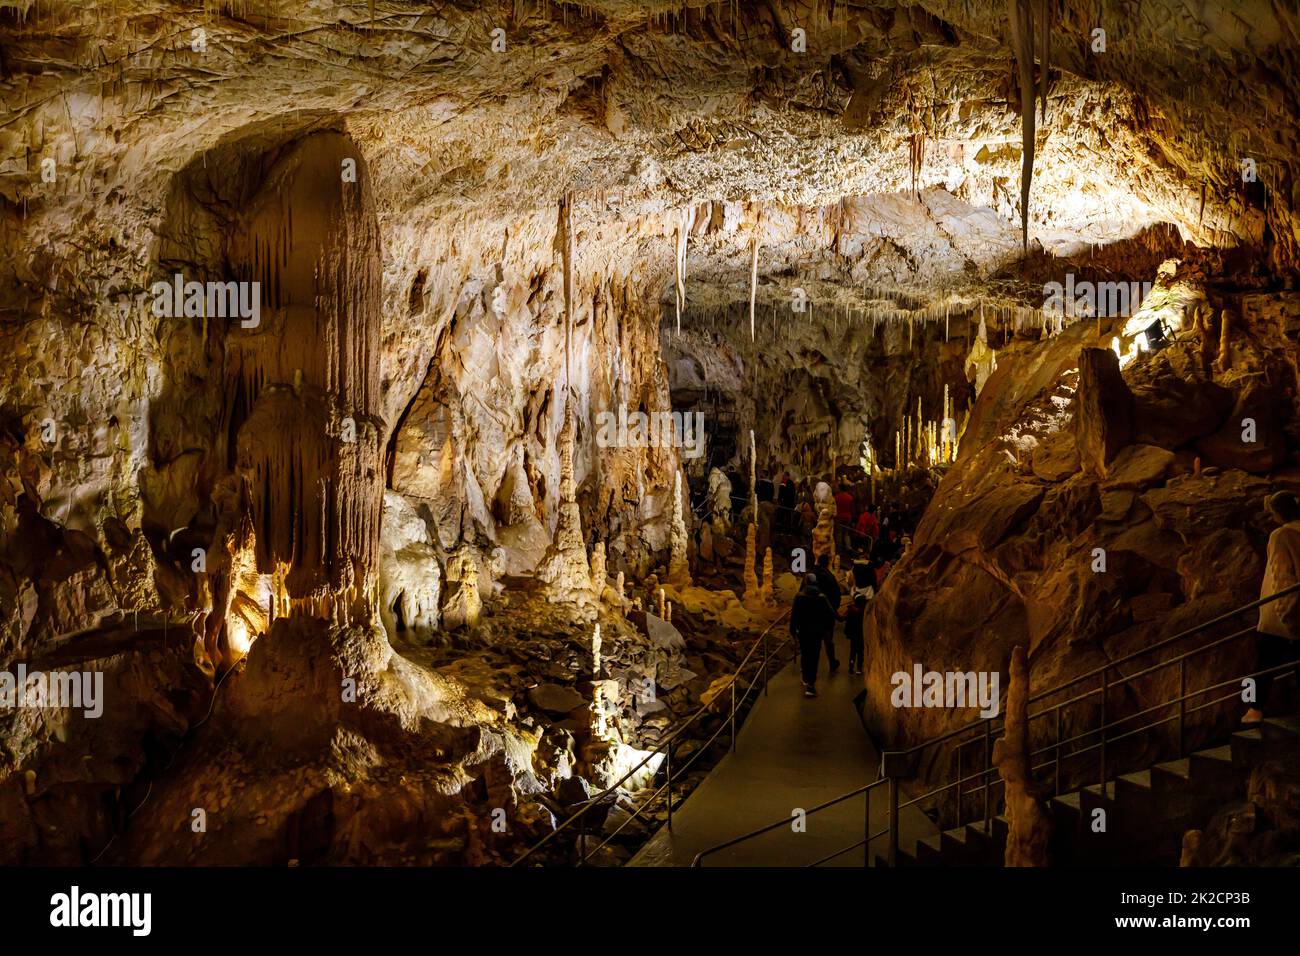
(666, 744)
(986, 724)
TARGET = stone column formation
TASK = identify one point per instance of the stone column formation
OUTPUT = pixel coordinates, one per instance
(751, 576)
(766, 594)
(303, 386)
(564, 569)
(1029, 825)
(598, 570)
(679, 571)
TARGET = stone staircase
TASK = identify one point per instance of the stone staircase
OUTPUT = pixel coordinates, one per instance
(1146, 813)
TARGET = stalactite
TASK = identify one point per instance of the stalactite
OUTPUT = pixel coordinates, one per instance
(683, 228)
(1022, 39)
(753, 284)
(566, 224)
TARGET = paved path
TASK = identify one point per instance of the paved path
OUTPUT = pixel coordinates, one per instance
(792, 752)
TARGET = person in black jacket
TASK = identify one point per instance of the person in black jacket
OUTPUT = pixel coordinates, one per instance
(812, 622)
(785, 497)
(830, 588)
(853, 616)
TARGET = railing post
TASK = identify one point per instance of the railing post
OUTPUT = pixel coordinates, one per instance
(866, 828)
(581, 845)
(1056, 773)
(988, 764)
(893, 821)
(1182, 706)
(733, 716)
(670, 786)
(1105, 686)
(765, 630)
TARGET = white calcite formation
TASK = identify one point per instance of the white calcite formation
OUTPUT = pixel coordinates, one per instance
(565, 569)
(679, 571)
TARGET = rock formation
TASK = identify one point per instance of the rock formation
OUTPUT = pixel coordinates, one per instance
(720, 503)
(564, 569)
(1029, 826)
(598, 576)
(679, 572)
(766, 595)
(752, 594)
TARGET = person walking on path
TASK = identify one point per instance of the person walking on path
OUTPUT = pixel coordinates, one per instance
(1278, 631)
(844, 517)
(812, 622)
(853, 618)
(830, 589)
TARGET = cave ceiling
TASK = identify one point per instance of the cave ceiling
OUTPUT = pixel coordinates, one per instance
(893, 137)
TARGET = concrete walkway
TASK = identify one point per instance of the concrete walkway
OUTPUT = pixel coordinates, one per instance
(793, 752)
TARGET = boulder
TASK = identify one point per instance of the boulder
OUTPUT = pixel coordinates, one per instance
(984, 521)
(1199, 506)
(1056, 457)
(1172, 411)
(1116, 504)
(1103, 410)
(1138, 467)
(554, 699)
(1252, 438)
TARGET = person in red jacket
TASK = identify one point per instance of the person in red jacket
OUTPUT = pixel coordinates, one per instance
(868, 529)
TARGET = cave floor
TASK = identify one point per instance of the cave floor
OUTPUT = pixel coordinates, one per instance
(792, 752)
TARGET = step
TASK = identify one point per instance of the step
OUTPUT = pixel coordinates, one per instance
(1214, 768)
(961, 849)
(929, 851)
(1271, 738)
(1281, 728)
(1176, 769)
(1070, 802)
(1139, 781)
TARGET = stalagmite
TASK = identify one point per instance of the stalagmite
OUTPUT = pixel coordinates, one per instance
(668, 612)
(463, 604)
(679, 571)
(659, 596)
(765, 590)
(564, 568)
(720, 501)
(618, 589)
(751, 573)
(1029, 827)
(595, 651)
(1224, 361)
(598, 569)
(753, 478)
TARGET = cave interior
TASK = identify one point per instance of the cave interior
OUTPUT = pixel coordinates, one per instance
(393, 396)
